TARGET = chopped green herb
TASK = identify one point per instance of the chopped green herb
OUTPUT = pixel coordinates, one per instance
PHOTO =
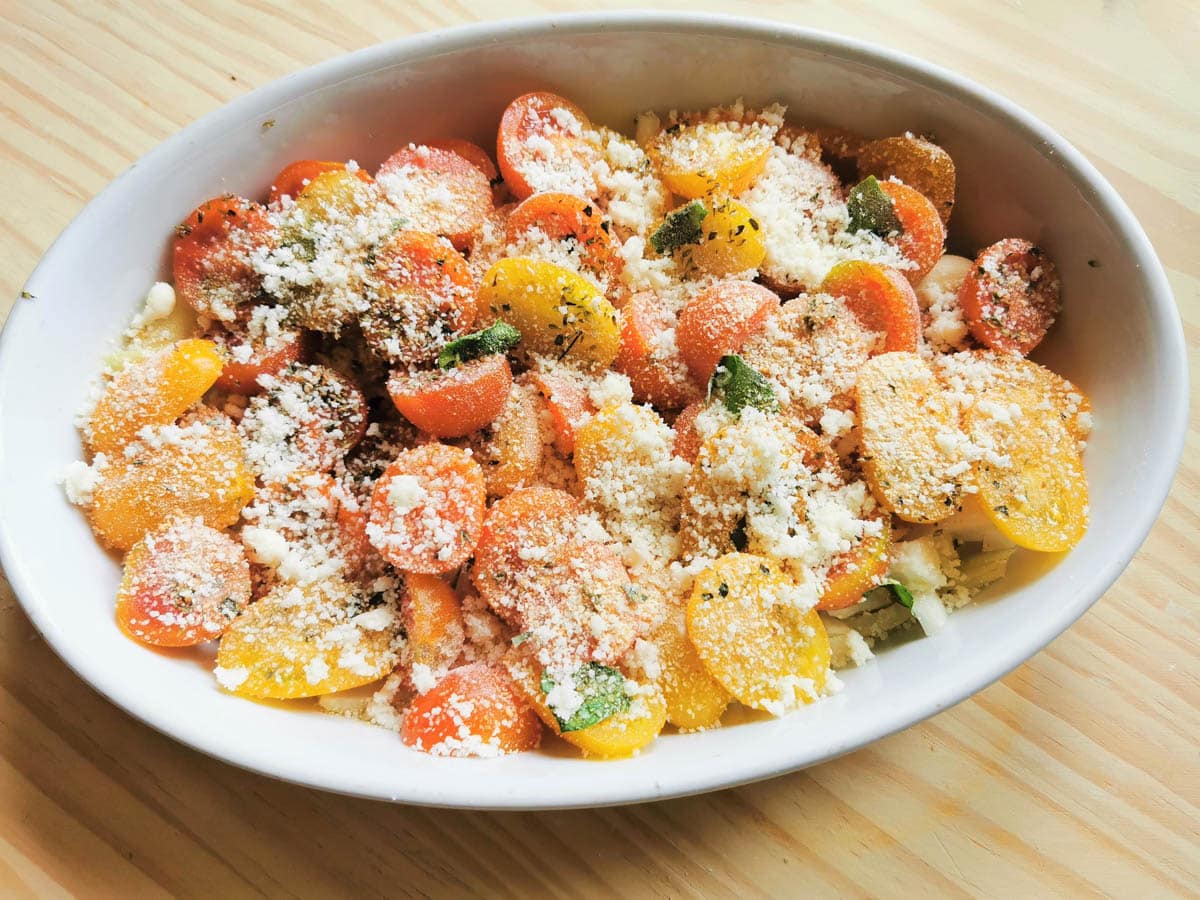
(268, 124)
(634, 594)
(739, 386)
(521, 638)
(603, 692)
(871, 209)
(498, 338)
(25, 295)
(680, 227)
(899, 592)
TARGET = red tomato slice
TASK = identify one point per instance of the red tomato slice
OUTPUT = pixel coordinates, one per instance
(211, 257)
(540, 147)
(455, 402)
(427, 509)
(183, 584)
(476, 710)
(1010, 298)
(437, 191)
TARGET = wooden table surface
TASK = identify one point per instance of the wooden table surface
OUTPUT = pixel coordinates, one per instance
(1077, 774)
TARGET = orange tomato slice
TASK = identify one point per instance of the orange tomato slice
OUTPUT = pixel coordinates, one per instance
(540, 147)
(182, 585)
(1010, 298)
(719, 320)
(438, 191)
(881, 299)
(476, 710)
(427, 509)
(453, 402)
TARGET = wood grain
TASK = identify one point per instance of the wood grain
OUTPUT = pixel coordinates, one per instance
(1077, 775)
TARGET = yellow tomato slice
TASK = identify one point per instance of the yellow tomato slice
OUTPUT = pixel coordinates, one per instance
(307, 640)
(559, 313)
(763, 648)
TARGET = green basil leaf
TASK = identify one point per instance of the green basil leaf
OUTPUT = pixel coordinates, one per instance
(680, 227)
(603, 692)
(871, 209)
(498, 338)
(899, 592)
(739, 386)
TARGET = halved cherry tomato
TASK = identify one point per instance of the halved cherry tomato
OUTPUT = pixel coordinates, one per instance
(718, 320)
(569, 404)
(438, 190)
(924, 236)
(526, 524)
(511, 449)
(427, 509)
(196, 470)
(860, 568)
(251, 351)
(650, 356)
(475, 710)
(433, 622)
(480, 159)
(702, 158)
(881, 299)
(453, 402)
(1010, 297)
(563, 217)
(308, 418)
(154, 391)
(423, 296)
(211, 258)
(307, 640)
(540, 147)
(295, 177)
(183, 584)
(687, 439)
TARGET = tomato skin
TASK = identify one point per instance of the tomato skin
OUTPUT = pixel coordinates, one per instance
(455, 402)
(687, 439)
(295, 177)
(719, 320)
(209, 259)
(183, 583)
(881, 299)
(534, 114)
(475, 710)
(1006, 307)
(423, 288)
(433, 622)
